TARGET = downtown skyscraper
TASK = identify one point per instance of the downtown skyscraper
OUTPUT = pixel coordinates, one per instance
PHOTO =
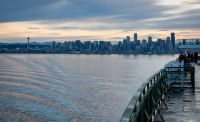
(135, 37)
(173, 39)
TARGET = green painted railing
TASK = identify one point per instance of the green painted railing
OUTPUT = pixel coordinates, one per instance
(191, 69)
(187, 69)
(144, 103)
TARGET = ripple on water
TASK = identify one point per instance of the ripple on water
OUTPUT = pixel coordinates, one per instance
(70, 87)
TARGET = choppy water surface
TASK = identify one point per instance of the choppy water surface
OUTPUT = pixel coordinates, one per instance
(71, 87)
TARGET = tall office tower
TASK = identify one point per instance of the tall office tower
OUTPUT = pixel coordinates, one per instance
(124, 41)
(167, 39)
(138, 42)
(144, 43)
(28, 45)
(54, 45)
(135, 37)
(162, 44)
(173, 39)
(167, 43)
(102, 45)
(96, 44)
(159, 41)
(128, 39)
(149, 42)
(78, 44)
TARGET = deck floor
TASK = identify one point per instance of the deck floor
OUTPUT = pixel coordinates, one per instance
(183, 106)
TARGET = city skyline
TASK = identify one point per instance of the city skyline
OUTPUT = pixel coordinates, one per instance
(127, 46)
(62, 20)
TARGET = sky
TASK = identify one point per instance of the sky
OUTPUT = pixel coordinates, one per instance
(108, 20)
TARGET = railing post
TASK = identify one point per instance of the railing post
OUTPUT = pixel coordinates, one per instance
(149, 96)
(193, 77)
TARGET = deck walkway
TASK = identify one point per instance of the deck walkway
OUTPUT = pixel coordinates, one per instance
(183, 106)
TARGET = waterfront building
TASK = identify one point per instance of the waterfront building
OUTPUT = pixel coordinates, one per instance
(138, 49)
(158, 50)
(96, 43)
(149, 44)
(87, 46)
(128, 39)
(101, 46)
(137, 42)
(135, 37)
(70, 45)
(161, 43)
(167, 44)
(173, 39)
(120, 44)
(110, 48)
(54, 45)
(28, 45)
(124, 41)
(128, 47)
(78, 44)
(144, 46)
(171, 49)
(149, 41)
(65, 44)
(144, 43)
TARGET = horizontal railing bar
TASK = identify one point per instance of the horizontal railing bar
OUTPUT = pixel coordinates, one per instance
(141, 107)
(138, 98)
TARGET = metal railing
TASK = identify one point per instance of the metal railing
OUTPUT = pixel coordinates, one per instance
(188, 41)
(192, 70)
(187, 69)
(144, 103)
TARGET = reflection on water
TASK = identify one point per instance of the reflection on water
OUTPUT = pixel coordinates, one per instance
(71, 87)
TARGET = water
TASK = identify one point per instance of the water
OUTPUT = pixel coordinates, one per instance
(71, 87)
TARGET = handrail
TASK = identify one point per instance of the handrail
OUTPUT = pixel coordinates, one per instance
(188, 41)
(188, 68)
(144, 103)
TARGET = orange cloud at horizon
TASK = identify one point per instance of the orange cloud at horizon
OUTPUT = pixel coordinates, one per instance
(47, 32)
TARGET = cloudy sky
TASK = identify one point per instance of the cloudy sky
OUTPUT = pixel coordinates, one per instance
(109, 20)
